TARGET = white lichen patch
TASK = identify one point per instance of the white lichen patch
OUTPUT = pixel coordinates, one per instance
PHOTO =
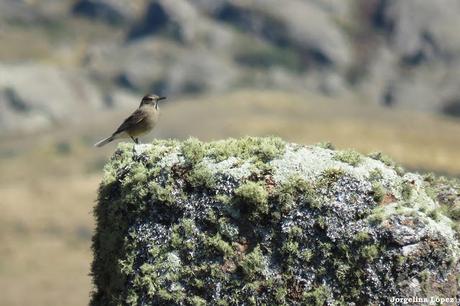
(141, 148)
(310, 162)
(232, 166)
(173, 260)
(171, 159)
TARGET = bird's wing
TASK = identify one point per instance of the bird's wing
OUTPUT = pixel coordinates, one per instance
(131, 121)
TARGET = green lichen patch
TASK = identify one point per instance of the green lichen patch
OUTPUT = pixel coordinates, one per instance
(375, 175)
(326, 145)
(378, 192)
(388, 161)
(193, 151)
(200, 175)
(447, 193)
(292, 193)
(257, 221)
(262, 149)
(252, 197)
(350, 157)
(253, 264)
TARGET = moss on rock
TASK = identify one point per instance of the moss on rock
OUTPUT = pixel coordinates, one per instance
(349, 156)
(260, 221)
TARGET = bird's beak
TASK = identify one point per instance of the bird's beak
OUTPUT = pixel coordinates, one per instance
(161, 98)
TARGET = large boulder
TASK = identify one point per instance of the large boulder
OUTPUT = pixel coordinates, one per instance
(261, 221)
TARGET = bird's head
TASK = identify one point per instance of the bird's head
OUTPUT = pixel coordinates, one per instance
(151, 100)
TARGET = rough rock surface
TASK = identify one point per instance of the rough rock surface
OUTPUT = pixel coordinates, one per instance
(261, 221)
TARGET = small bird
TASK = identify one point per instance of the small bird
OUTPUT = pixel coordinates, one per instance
(142, 121)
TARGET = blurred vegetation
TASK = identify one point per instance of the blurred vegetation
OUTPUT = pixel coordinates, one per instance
(258, 55)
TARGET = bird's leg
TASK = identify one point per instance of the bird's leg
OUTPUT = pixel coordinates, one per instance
(134, 146)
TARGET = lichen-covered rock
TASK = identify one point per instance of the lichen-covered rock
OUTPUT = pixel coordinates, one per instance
(258, 221)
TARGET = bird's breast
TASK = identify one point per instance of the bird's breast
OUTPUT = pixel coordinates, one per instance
(152, 118)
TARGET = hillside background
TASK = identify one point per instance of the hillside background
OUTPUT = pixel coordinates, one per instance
(374, 75)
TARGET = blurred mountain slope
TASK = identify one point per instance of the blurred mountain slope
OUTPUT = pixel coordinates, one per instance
(400, 54)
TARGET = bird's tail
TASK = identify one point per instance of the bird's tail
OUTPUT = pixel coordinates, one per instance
(104, 141)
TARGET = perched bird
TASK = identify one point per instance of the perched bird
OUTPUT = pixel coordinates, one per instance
(142, 121)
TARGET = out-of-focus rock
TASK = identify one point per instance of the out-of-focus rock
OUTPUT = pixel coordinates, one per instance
(422, 30)
(200, 71)
(18, 11)
(421, 52)
(297, 24)
(175, 18)
(45, 93)
(32, 13)
(16, 115)
(153, 65)
(119, 99)
(312, 30)
(114, 12)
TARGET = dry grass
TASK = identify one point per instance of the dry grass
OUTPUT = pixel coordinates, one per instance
(45, 229)
(46, 223)
(48, 182)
